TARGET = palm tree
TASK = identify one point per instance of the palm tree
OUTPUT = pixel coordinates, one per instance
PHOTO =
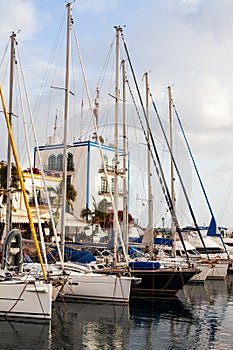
(100, 213)
(71, 194)
(3, 180)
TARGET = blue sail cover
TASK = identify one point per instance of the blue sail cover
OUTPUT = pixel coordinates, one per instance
(212, 232)
(164, 241)
(212, 228)
(144, 265)
(74, 255)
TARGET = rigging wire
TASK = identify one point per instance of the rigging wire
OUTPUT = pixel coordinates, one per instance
(32, 175)
(179, 175)
(102, 124)
(104, 117)
(135, 134)
(213, 222)
(43, 85)
(3, 59)
(105, 66)
(40, 162)
(156, 159)
(101, 153)
(226, 200)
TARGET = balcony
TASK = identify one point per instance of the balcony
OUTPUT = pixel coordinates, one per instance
(111, 170)
(105, 192)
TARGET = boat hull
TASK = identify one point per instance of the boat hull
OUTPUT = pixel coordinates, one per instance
(93, 286)
(25, 300)
(218, 271)
(160, 282)
(202, 275)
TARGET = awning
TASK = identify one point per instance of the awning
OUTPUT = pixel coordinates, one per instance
(20, 216)
(73, 221)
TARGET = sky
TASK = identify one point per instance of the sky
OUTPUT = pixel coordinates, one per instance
(186, 44)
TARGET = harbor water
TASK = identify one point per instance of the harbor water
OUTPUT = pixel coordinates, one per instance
(198, 317)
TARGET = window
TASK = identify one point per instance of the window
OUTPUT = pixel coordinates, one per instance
(52, 162)
(60, 162)
(70, 164)
(68, 180)
(104, 185)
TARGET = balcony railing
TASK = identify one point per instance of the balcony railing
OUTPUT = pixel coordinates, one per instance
(111, 170)
(104, 191)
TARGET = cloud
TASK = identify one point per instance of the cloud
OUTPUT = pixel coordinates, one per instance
(19, 15)
(96, 7)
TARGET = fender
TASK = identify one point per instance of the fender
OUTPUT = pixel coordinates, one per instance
(12, 256)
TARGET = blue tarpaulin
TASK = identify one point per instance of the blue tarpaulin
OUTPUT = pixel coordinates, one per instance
(144, 265)
(74, 255)
(164, 241)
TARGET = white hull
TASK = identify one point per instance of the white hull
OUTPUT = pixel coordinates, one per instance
(58, 281)
(24, 299)
(94, 286)
(84, 284)
(202, 276)
(218, 271)
(182, 262)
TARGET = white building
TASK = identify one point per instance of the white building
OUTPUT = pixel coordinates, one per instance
(85, 171)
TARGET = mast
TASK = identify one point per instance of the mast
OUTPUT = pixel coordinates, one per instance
(9, 151)
(66, 114)
(125, 154)
(96, 112)
(116, 136)
(172, 170)
(32, 227)
(150, 196)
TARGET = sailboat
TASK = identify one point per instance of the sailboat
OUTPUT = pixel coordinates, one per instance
(221, 261)
(156, 278)
(178, 252)
(82, 283)
(21, 295)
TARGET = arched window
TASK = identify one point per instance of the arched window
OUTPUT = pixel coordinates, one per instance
(60, 162)
(70, 164)
(52, 164)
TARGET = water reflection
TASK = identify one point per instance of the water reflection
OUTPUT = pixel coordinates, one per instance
(199, 317)
(90, 326)
(210, 304)
(142, 310)
(24, 335)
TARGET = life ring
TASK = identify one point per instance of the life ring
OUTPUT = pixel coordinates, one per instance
(12, 256)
